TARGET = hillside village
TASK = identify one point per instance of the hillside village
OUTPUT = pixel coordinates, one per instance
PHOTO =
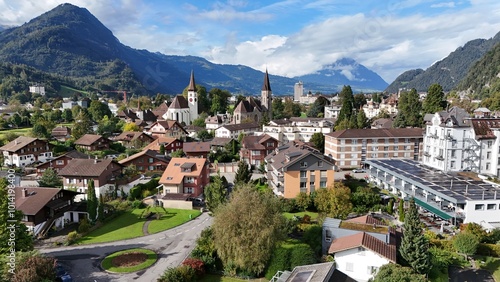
(168, 155)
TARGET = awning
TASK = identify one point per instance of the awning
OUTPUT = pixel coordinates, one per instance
(432, 209)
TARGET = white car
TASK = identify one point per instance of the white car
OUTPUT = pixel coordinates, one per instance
(358, 170)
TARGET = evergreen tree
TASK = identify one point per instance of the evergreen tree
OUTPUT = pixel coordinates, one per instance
(434, 101)
(414, 246)
(100, 210)
(243, 174)
(278, 108)
(401, 210)
(91, 201)
(361, 119)
(347, 100)
(409, 110)
(162, 149)
(215, 193)
(318, 140)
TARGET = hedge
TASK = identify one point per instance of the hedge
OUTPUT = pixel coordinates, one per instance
(492, 250)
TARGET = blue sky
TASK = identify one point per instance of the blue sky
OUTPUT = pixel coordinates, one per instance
(289, 37)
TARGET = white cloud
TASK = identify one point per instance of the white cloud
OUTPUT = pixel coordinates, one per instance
(444, 5)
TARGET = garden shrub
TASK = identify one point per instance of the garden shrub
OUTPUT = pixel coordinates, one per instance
(312, 237)
(280, 261)
(84, 226)
(172, 274)
(135, 193)
(72, 237)
(137, 204)
(188, 274)
(301, 254)
(492, 250)
(196, 264)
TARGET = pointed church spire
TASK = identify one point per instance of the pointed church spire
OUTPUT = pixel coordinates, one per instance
(267, 85)
(192, 85)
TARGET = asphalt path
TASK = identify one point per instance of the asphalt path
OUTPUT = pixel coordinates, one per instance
(172, 246)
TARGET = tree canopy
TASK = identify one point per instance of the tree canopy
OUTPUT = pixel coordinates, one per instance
(414, 246)
(215, 193)
(50, 179)
(409, 110)
(247, 229)
(243, 174)
(334, 201)
(434, 101)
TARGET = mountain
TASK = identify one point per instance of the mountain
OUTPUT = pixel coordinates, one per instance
(447, 72)
(70, 41)
(346, 72)
(483, 78)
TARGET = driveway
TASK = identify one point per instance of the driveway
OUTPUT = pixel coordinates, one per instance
(172, 247)
(456, 274)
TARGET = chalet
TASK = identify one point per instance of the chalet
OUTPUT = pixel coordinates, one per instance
(221, 143)
(185, 176)
(234, 130)
(360, 246)
(127, 115)
(169, 143)
(196, 149)
(61, 161)
(61, 133)
(134, 139)
(254, 148)
(147, 160)
(168, 128)
(92, 142)
(46, 207)
(78, 172)
(24, 151)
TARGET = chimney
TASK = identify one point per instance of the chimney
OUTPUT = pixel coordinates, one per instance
(25, 193)
(95, 160)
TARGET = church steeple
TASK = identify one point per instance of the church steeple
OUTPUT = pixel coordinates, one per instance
(192, 85)
(266, 86)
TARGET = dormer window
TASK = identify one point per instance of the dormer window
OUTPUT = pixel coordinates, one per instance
(303, 164)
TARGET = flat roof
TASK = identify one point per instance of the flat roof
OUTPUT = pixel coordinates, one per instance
(458, 187)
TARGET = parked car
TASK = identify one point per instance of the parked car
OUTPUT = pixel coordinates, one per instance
(358, 170)
(62, 275)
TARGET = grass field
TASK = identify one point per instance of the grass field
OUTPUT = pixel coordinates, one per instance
(107, 263)
(313, 215)
(129, 225)
(18, 131)
(67, 92)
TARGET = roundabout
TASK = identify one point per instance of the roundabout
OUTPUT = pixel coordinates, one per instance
(130, 260)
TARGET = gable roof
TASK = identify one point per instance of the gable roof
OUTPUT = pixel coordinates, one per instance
(127, 113)
(366, 219)
(196, 147)
(174, 173)
(289, 154)
(255, 142)
(240, 126)
(37, 198)
(221, 141)
(365, 240)
(155, 145)
(483, 127)
(19, 143)
(60, 131)
(88, 139)
(168, 124)
(179, 102)
(149, 153)
(88, 167)
(378, 133)
(71, 154)
(131, 136)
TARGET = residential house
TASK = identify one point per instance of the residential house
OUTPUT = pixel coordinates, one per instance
(185, 176)
(332, 111)
(46, 207)
(255, 148)
(352, 147)
(147, 160)
(132, 139)
(319, 272)
(297, 129)
(24, 151)
(482, 113)
(77, 173)
(84, 103)
(234, 130)
(360, 246)
(382, 123)
(294, 168)
(454, 141)
(170, 144)
(196, 149)
(214, 122)
(388, 105)
(93, 142)
(193, 130)
(61, 133)
(61, 161)
(221, 143)
(168, 128)
(127, 115)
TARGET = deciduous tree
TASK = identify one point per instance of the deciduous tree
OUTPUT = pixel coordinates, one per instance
(247, 229)
(395, 273)
(318, 140)
(50, 179)
(414, 246)
(466, 243)
(334, 201)
(215, 193)
(82, 126)
(409, 110)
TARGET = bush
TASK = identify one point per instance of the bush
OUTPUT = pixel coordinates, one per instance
(137, 204)
(172, 275)
(71, 238)
(446, 245)
(135, 193)
(301, 254)
(287, 205)
(492, 250)
(84, 226)
(197, 265)
(280, 261)
(312, 237)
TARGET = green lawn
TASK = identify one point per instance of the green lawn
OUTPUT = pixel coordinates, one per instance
(19, 131)
(313, 215)
(491, 264)
(218, 278)
(174, 218)
(129, 225)
(67, 91)
(107, 263)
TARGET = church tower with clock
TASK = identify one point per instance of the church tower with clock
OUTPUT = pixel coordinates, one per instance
(192, 99)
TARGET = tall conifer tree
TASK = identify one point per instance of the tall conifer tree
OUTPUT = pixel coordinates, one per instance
(414, 246)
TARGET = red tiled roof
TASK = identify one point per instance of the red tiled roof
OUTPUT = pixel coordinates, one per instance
(366, 241)
(196, 147)
(88, 139)
(87, 167)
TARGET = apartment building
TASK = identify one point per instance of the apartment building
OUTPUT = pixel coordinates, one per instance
(453, 141)
(350, 148)
(297, 129)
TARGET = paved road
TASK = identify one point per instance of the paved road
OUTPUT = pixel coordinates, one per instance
(172, 247)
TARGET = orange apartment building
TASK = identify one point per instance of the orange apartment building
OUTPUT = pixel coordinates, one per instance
(295, 168)
(351, 147)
